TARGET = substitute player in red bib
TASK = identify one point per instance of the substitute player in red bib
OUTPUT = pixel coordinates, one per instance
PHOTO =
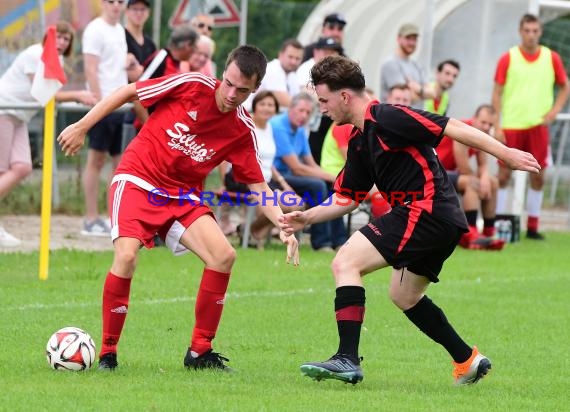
(523, 97)
(198, 122)
(393, 147)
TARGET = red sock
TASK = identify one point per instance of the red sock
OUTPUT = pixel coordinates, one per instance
(115, 306)
(209, 307)
(532, 224)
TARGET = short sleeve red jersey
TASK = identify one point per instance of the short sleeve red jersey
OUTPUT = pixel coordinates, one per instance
(187, 136)
(342, 134)
(445, 150)
(503, 66)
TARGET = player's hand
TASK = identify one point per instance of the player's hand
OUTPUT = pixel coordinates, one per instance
(71, 139)
(519, 160)
(292, 247)
(292, 222)
(86, 97)
(549, 117)
(485, 187)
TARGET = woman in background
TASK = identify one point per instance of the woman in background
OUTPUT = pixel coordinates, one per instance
(16, 85)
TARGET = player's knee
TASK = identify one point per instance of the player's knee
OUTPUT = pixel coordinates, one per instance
(342, 264)
(126, 260)
(225, 257)
(402, 298)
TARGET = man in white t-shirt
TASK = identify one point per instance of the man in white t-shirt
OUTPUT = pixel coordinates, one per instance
(105, 62)
(281, 75)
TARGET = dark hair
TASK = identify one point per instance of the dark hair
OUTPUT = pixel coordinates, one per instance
(180, 35)
(338, 72)
(63, 27)
(291, 42)
(250, 61)
(528, 18)
(262, 95)
(487, 107)
(451, 62)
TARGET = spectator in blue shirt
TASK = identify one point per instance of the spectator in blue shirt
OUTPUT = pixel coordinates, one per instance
(294, 161)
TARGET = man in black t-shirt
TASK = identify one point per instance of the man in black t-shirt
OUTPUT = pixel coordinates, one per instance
(139, 45)
(392, 146)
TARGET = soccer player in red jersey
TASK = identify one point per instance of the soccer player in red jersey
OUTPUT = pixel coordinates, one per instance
(198, 122)
(392, 146)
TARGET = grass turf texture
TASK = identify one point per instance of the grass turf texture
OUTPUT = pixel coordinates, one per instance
(513, 304)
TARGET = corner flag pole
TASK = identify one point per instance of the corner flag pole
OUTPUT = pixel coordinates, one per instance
(49, 128)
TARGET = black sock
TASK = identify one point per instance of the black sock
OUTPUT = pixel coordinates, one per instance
(471, 216)
(489, 222)
(349, 308)
(431, 320)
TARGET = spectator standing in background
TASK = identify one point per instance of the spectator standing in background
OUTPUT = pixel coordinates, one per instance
(204, 25)
(402, 69)
(16, 84)
(281, 76)
(139, 44)
(141, 47)
(333, 26)
(105, 64)
(445, 76)
(523, 98)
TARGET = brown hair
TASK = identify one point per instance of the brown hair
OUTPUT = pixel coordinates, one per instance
(487, 107)
(262, 95)
(290, 42)
(398, 86)
(63, 27)
(338, 72)
(250, 61)
(528, 18)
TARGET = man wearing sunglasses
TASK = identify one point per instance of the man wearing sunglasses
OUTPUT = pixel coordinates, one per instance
(204, 24)
(333, 26)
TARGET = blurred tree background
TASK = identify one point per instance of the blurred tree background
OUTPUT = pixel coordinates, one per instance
(269, 22)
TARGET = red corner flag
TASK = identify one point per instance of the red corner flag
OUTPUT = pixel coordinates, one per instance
(49, 76)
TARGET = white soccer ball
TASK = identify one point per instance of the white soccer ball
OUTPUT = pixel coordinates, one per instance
(70, 349)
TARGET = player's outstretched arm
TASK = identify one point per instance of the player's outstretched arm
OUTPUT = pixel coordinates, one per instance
(72, 137)
(274, 213)
(333, 207)
(514, 158)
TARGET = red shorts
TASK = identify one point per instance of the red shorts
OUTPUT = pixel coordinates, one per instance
(140, 214)
(534, 140)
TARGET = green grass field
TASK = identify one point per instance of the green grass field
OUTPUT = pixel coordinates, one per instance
(512, 304)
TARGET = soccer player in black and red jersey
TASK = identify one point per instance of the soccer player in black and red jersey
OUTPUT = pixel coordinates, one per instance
(198, 122)
(392, 146)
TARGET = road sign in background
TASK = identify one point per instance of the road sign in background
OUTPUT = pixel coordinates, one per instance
(224, 12)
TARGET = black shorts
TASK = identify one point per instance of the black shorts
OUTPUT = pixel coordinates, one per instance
(454, 178)
(431, 242)
(107, 134)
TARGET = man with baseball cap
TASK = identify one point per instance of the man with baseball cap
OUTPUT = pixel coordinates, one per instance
(333, 26)
(401, 69)
(325, 46)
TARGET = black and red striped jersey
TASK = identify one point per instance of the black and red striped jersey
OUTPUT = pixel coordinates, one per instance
(396, 151)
